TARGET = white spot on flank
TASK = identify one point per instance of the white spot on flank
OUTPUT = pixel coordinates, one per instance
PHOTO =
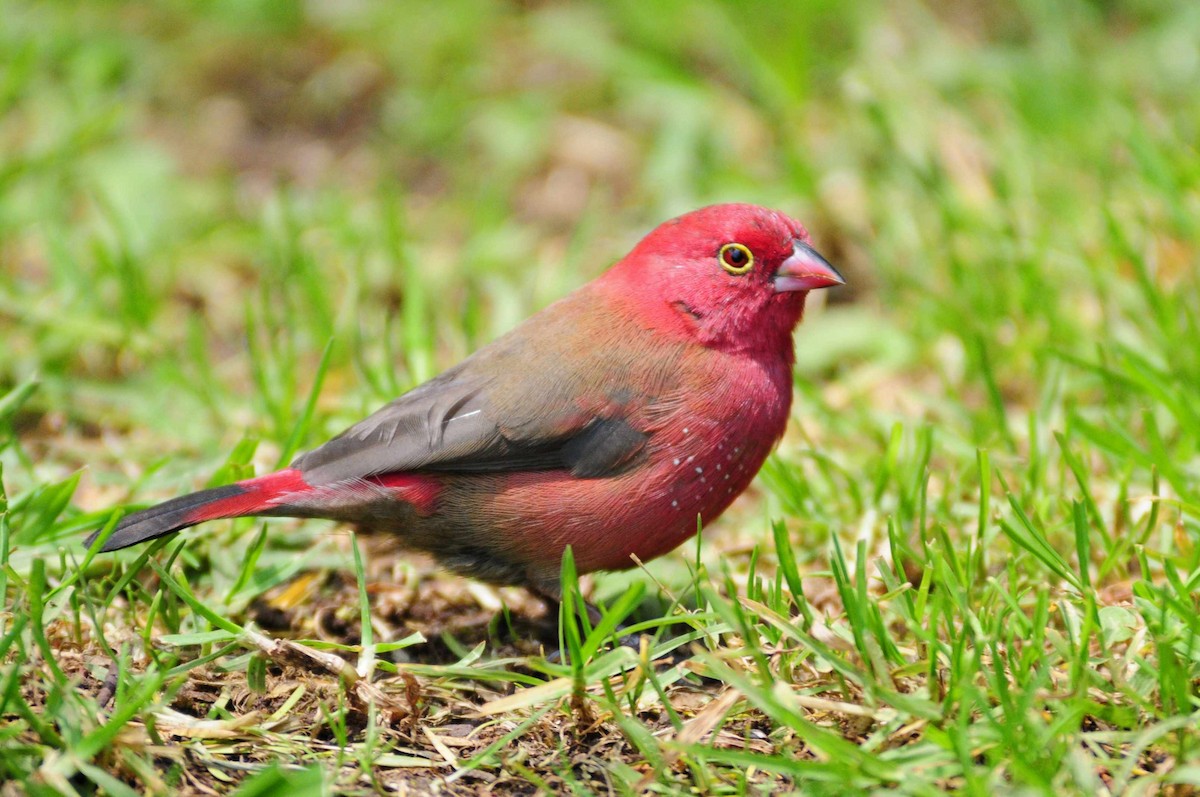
(718, 467)
(676, 460)
(702, 480)
(685, 430)
(674, 503)
(691, 458)
(699, 470)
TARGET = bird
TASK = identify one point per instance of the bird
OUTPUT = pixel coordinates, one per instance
(615, 421)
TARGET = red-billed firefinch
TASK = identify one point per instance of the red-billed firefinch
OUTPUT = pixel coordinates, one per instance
(608, 422)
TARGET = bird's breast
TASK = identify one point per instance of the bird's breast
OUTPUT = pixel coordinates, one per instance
(699, 465)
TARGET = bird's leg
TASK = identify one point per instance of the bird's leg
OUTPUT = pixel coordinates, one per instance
(551, 595)
(550, 592)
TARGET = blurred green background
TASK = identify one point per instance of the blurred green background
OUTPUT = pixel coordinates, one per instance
(410, 179)
(198, 201)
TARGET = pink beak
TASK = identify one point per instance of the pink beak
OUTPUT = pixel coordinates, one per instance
(805, 270)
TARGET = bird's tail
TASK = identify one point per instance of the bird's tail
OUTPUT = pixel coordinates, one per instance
(250, 497)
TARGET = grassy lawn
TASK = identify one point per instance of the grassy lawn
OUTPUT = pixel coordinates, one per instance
(973, 564)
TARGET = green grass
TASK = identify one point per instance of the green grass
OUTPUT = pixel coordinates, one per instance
(973, 563)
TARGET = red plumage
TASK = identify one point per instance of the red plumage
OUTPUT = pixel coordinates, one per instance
(609, 421)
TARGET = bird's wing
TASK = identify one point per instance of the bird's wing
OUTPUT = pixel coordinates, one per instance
(513, 405)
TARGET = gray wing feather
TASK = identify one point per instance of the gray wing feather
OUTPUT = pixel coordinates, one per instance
(446, 425)
(504, 416)
(605, 447)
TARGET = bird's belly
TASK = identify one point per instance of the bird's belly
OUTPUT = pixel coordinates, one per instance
(689, 476)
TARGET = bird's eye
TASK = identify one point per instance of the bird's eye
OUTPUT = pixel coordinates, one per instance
(736, 258)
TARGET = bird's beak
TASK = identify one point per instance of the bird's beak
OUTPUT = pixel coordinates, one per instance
(805, 270)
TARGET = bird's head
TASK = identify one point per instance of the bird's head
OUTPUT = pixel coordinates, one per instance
(730, 276)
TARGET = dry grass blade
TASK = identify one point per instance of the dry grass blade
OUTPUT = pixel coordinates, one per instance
(175, 723)
(363, 693)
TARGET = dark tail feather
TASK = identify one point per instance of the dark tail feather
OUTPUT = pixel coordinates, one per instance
(173, 515)
(232, 500)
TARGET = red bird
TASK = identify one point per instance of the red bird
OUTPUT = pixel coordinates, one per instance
(608, 422)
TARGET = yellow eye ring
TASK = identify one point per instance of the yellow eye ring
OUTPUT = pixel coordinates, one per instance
(736, 258)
